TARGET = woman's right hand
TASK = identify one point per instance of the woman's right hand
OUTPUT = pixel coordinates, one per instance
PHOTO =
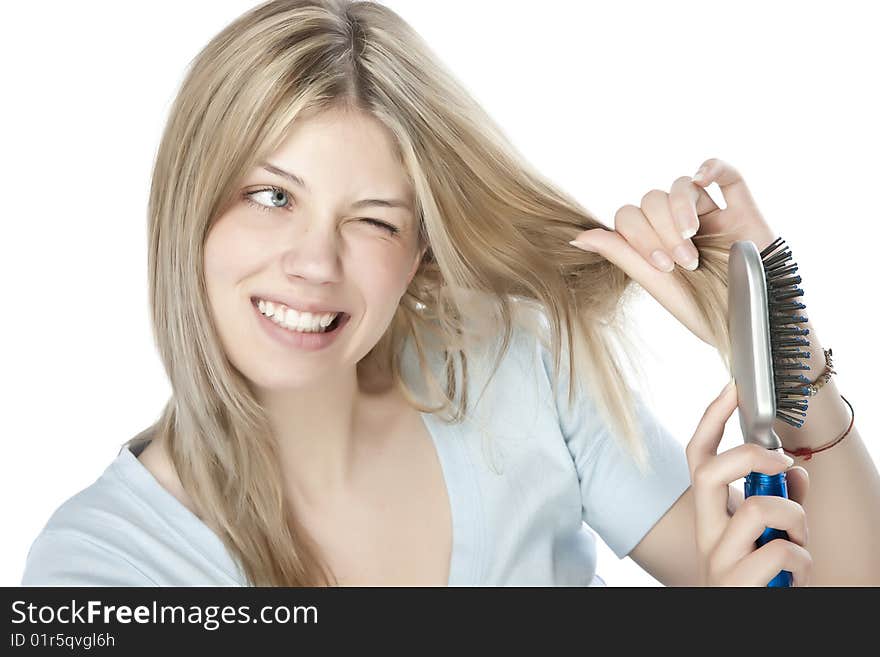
(726, 543)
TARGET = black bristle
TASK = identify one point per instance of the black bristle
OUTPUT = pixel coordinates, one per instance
(789, 342)
(780, 353)
(783, 295)
(771, 247)
(782, 378)
(786, 402)
(789, 330)
(780, 331)
(796, 366)
(785, 282)
(789, 305)
(791, 419)
(782, 270)
(791, 399)
(795, 411)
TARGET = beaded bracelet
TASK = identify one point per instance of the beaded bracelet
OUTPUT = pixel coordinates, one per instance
(825, 376)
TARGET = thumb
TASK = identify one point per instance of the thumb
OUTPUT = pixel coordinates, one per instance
(613, 247)
(591, 240)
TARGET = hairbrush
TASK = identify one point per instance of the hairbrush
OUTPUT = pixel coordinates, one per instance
(766, 341)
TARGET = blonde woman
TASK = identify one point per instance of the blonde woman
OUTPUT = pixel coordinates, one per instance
(390, 367)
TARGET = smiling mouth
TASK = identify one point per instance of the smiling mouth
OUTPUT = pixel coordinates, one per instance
(332, 326)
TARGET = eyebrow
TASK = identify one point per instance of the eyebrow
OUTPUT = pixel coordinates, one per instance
(387, 203)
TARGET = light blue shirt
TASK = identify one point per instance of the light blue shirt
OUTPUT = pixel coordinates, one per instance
(528, 478)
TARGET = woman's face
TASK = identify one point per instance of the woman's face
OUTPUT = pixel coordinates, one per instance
(320, 242)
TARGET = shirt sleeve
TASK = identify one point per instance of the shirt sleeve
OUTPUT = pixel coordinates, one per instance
(64, 559)
(618, 501)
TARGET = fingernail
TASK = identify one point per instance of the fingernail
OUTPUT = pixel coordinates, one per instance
(688, 231)
(729, 386)
(685, 256)
(581, 245)
(662, 261)
(698, 176)
(785, 457)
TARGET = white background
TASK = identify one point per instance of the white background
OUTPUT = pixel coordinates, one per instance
(609, 99)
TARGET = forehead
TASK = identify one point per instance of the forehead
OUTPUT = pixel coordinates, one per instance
(342, 150)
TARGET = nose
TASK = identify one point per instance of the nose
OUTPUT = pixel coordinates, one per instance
(313, 254)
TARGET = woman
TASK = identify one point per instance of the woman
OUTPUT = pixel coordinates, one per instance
(465, 413)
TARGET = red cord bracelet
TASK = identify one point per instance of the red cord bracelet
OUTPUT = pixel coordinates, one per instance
(807, 453)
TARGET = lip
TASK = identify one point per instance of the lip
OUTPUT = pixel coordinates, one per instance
(303, 341)
(302, 306)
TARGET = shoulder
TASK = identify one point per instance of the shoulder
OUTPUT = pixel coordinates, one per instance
(511, 367)
(68, 558)
(88, 540)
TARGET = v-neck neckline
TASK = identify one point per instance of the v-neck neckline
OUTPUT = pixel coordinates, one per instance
(462, 490)
(459, 478)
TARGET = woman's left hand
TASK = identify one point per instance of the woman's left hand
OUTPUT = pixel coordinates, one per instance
(663, 225)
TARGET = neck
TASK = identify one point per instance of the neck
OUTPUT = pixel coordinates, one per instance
(327, 429)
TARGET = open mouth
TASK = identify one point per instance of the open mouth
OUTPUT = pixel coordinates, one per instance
(332, 326)
(340, 319)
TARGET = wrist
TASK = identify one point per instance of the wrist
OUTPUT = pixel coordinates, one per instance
(828, 416)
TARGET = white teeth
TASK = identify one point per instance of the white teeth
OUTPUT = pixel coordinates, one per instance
(296, 321)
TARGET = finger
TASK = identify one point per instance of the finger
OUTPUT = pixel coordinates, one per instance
(753, 517)
(797, 482)
(617, 250)
(739, 461)
(642, 236)
(703, 445)
(687, 202)
(672, 295)
(655, 206)
(732, 185)
(711, 481)
(762, 565)
(710, 505)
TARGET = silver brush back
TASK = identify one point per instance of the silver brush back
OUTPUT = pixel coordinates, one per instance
(764, 340)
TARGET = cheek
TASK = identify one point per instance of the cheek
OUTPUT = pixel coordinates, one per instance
(382, 275)
(230, 254)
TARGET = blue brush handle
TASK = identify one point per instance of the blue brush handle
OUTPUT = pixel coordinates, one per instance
(758, 483)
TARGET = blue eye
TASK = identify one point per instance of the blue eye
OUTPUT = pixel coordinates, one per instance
(249, 197)
(278, 191)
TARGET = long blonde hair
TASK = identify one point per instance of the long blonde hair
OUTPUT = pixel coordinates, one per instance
(496, 232)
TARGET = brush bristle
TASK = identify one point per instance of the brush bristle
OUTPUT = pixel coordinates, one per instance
(786, 336)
